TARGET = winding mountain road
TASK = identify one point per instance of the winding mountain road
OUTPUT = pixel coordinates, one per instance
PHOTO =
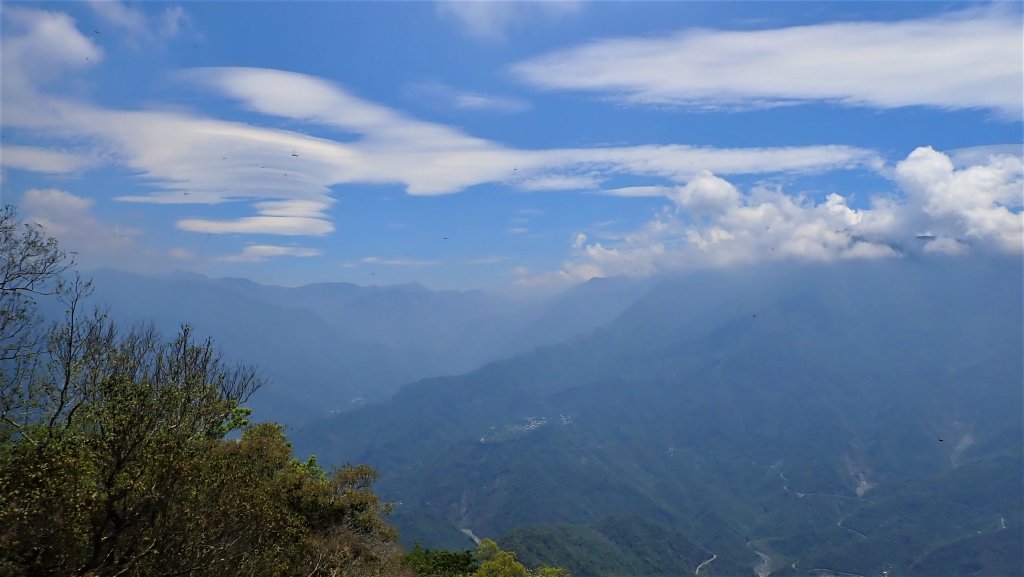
(701, 566)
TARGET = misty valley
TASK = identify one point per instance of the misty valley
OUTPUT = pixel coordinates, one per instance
(804, 419)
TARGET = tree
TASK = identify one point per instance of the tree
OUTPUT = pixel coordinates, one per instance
(116, 456)
(31, 265)
(489, 560)
(440, 563)
(494, 562)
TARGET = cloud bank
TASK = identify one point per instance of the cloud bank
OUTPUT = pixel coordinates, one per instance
(943, 209)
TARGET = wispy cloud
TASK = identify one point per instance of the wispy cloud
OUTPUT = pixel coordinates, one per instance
(449, 97)
(70, 218)
(133, 22)
(399, 261)
(968, 59)
(487, 260)
(637, 191)
(286, 176)
(262, 252)
(44, 160)
(559, 182)
(492, 20)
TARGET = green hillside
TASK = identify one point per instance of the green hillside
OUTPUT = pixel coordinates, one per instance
(778, 423)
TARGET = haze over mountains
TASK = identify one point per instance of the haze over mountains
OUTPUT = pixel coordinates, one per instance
(332, 346)
(857, 417)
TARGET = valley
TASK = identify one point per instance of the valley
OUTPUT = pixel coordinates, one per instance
(769, 422)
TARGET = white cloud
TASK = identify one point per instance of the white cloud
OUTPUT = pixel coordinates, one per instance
(638, 191)
(942, 209)
(393, 261)
(119, 15)
(969, 59)
(262, 252)
(70, 219)
(492, 20)
(978, 204)
(172, 20)
(467, 100)
(38, 46)
(282, 225)
(706, 193)
(559, 182)
(131, 22)
(44, 160)
(283, 217)
(973, 155)
(181, 254)
(680, 162)
(187, 158)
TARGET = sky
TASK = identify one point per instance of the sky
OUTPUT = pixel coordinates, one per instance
(525, 145)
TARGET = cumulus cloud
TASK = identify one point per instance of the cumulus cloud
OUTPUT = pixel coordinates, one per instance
(978, 204)
(262, 252)
(968, 59)
(492, 20)
(940, 209)
(706, 193)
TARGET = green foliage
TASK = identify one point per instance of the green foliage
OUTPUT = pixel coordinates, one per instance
(116, 458)
(489, 560)
(31, 264)
(617, 545)
(494, 562)
(440, 563)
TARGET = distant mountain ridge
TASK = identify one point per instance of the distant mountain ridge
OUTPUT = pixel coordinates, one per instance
(783, 419)
(329, 347)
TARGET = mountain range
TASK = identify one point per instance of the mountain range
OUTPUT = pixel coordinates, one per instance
(854, 418)
(861, 419)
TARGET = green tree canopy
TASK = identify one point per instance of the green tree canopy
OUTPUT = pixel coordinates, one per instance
(116, 458)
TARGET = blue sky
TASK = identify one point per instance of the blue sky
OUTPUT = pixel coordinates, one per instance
(531, 145)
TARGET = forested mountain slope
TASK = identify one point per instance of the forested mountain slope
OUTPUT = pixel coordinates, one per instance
(330, 347)
(857, 418)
